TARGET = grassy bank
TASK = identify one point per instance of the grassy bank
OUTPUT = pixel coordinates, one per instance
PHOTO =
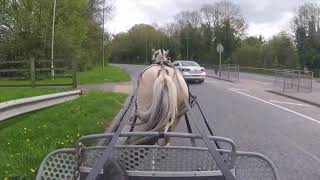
(96, 75)
(103, 75)
(261, 71)
(7, 94)
(27, 139)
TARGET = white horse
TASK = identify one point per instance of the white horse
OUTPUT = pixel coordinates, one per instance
(161, 98)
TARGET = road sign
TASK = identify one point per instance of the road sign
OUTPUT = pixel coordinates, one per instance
(220, 48)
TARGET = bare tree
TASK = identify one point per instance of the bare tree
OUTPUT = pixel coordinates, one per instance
(187, 17)
(170, 29)
(308, 17)
(97, 7)
(218, 13)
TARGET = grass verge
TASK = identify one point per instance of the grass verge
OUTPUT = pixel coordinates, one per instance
(7, 94)
(268, 72)
(96, 75)
(27, 139)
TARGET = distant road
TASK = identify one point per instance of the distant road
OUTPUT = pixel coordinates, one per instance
(286, 131)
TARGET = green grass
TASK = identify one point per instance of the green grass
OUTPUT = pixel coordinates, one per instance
(258, 71)
(7, 94)
(27, 139)
(103, 75)
(96, 75)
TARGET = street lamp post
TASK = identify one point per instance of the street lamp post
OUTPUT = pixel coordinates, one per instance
(104, 3)
(188, 40)
(146, 51)
(52, 37)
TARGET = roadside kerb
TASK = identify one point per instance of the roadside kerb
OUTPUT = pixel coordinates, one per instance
(295, 98)
(216, 77)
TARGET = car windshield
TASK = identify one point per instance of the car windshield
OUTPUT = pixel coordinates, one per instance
(189, 63)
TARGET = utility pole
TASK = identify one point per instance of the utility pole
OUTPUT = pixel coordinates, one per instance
(104, 3)
(52, 37)
(188, 40)
(146, 50)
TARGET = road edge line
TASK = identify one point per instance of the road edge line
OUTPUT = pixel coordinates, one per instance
(278, 106)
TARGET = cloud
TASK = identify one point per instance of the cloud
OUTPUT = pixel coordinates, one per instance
(268, 29)
(266, 17)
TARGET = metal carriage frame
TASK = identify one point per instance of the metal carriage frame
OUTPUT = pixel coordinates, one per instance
(156, 162)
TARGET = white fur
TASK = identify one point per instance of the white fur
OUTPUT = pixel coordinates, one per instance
(161, 99)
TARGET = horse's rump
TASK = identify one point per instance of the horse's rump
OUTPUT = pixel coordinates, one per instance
(161, 98)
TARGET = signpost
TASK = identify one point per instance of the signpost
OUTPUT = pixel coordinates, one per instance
(220, 50)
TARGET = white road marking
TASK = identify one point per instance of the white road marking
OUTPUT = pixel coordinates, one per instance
(304, 151)
(210, 81)
(263, 82)
(265, 78)
(242, 89)
(290, 103)
(283, 108)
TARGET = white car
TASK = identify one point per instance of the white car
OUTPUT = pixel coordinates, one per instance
(191, 70)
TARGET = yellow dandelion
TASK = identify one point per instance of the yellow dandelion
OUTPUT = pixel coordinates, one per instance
(24, 128)
(32, 170)
(8, 143)
(62, 143)
(28, 140)
(78, 135)
(5, 178)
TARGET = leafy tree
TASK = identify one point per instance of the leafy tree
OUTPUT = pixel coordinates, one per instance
(280, 52)
(249, 53)
(26, 26)
(306, 27)
(226, 23)
(135, 45)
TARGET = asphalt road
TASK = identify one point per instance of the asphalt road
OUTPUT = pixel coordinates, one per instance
(286, 131)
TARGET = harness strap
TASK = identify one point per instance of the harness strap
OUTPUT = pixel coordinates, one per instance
(212, 149)
(96, 169)
(193, 101)
(193, 142)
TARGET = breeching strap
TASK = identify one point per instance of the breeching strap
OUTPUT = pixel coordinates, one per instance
(212, 149)
(96, 169)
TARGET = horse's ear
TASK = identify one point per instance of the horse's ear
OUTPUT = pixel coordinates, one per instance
(153, 50)
(168, 51)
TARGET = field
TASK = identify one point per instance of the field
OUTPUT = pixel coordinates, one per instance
(27, 139)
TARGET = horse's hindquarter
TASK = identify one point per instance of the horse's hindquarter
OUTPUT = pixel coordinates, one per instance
(145, 91)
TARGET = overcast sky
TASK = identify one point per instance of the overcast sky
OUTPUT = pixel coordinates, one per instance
(266, 17)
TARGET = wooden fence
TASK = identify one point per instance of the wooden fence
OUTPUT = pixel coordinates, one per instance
(25, 73)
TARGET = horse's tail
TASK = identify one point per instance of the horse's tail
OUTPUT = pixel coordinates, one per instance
(163, 110)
